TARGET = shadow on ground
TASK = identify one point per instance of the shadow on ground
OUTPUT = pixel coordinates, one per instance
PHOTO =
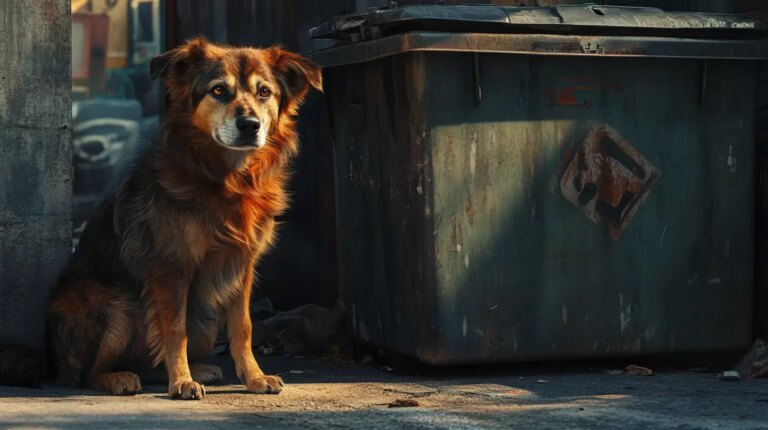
(326, 394)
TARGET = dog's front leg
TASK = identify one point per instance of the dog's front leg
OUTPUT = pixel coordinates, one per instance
(168, 334)
(239, 331)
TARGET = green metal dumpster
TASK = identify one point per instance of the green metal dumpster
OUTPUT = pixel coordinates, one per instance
(538, 183)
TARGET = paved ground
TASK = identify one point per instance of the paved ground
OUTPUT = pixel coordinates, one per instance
(325, 394)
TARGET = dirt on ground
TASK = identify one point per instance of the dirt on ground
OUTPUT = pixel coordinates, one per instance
(322, 393)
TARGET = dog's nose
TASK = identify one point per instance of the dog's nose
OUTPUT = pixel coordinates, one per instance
(248, 124)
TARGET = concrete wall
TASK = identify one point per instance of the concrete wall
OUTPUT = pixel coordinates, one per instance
(35, 161)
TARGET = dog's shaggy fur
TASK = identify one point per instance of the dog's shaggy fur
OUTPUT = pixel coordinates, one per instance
(169, 258)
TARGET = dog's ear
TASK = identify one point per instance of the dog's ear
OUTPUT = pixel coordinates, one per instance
(296, 75)
(159, 65)
(175, 61)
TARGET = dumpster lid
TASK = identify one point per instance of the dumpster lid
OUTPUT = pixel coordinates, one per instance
(576, 30)
(585, 19)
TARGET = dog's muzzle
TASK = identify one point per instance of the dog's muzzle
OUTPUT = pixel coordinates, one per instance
(249, 127)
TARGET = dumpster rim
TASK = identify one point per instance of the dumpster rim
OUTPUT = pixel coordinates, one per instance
(541, 44)
(550, 17)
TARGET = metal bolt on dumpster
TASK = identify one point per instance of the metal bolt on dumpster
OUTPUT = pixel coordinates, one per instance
(543, 183)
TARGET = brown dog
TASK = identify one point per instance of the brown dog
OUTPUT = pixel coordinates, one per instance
(169, 258)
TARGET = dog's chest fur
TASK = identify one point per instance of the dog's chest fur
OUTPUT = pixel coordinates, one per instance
(225, 244)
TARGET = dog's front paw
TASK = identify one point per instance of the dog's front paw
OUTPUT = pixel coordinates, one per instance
(265, 384)
(186, 390)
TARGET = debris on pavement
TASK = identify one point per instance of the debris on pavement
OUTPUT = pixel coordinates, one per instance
(730, 375)
(518, 392)
(638, 370)
(403, 403)
(755, 363)
(267, 350)
(345, 395)
(542, 381)
(614, 372)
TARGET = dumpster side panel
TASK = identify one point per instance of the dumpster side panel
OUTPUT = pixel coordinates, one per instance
(655, 257)
(761, 241)
(383, 201)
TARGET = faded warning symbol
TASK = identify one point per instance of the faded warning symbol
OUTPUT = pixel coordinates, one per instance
(607, 179)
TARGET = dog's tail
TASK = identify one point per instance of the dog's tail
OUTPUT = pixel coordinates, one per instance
(21, 367)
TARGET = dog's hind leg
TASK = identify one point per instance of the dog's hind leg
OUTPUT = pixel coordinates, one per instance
(206, 373)
(113, 343)
(203, 325)
(118, 383)
(91, 327)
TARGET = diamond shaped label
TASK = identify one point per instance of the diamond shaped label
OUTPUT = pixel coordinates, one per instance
(607, 178)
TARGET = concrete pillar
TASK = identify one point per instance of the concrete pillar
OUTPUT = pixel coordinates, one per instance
(35, 161)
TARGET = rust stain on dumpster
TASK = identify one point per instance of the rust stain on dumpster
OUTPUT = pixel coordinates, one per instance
(607, 179)
(566, 91)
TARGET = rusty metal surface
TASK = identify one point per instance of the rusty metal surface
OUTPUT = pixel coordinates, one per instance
(459, 240)
(564, 19)
(606, 178)
(717, 6)
(542, 44)
(569, 91)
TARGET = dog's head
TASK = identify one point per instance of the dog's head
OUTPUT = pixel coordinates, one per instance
(236, 96)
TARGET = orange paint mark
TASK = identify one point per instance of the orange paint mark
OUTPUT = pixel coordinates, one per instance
(570, 91)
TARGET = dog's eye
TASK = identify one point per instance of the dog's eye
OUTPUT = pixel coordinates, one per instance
(218, 91)
(265, 92)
